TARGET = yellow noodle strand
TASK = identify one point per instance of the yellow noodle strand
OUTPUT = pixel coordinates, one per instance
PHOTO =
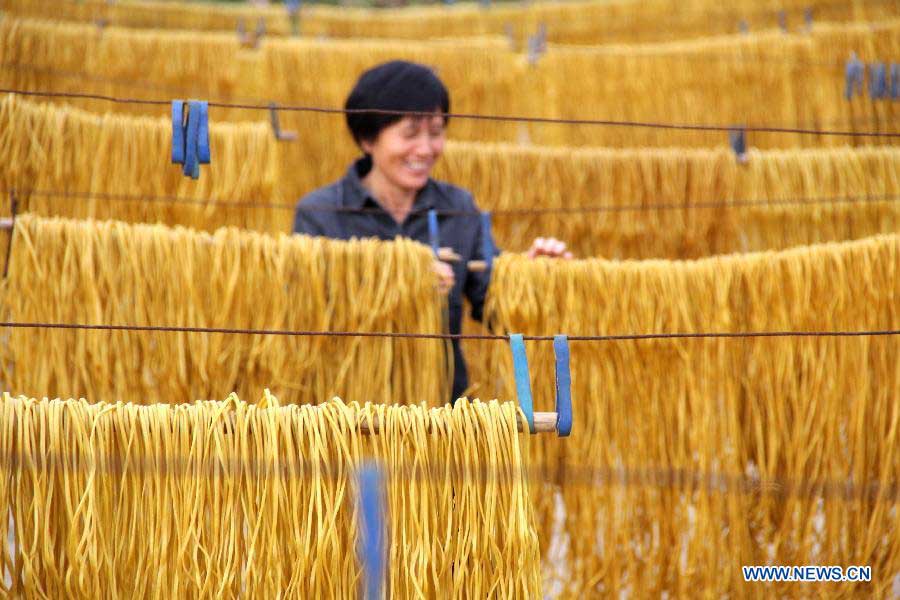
(786, 409)
(70, 271)
(225, 498)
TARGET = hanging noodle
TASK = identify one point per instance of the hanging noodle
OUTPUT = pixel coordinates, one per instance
(789, 409)
(68, 271)
(763, 79)
(216, 499)
(58, 149)
(582, 22)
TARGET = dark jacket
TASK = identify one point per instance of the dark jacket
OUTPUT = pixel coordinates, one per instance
(331, 212)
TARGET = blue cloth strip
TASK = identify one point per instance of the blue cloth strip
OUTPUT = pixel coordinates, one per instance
(895, 81)
(193, 130)
(738, 141)
(372, 530)
(203, 134)
(523, 378)
(877, 81)
(853, 75)
(178, 132)
(563, 386)
(434, 236)
(487, 239)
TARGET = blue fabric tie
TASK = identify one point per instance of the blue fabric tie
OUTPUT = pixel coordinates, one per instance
(372, 534)
(563, 386)
(178, 132)
(523, 378)
(434, 236)
(877, 81)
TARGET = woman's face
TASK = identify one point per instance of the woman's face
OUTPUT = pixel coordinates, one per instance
(405, 152)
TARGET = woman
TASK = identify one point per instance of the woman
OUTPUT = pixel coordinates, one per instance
(392, 182)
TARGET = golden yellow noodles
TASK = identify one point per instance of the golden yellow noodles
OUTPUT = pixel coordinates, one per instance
(656, 419)
(228, 499)
(68, 271)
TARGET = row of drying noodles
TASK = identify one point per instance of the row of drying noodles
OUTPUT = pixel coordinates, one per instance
(227, 500)
(689, 457)
(618, 203)
(763, 79)
(581, 22)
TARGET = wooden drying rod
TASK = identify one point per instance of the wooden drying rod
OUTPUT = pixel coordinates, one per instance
(448, 255)
(544, 422)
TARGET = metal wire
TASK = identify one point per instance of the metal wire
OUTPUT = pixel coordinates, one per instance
(524, 211)
(446, 336)
(681, 480)
(193, 91)
(502, 118)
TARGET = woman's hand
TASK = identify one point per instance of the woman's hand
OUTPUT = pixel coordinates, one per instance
(551, 247)
(445, 276)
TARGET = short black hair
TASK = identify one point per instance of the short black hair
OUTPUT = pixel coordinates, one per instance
(397, 85)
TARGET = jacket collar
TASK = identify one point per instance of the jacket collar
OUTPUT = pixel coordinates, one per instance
(357, 196)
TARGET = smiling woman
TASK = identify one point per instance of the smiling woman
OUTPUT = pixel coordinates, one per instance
(388, 191)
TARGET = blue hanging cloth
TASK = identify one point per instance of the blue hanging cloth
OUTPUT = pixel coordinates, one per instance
(372, 530)
(895, 81)
(202, 108)
(563, 386)
(190, 141)
(523, 378)
(877, 81)
(738, 140)
(178, 132)
(191, 155)
(434, 236)
(853, 75)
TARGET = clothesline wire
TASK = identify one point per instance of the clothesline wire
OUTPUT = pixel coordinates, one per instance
(524, 211)
(678, 479)
(500, 118)
(445, 336)
(194, 92)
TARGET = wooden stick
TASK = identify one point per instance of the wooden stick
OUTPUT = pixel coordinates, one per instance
(448, 255)
(477, 266)
(544, 422)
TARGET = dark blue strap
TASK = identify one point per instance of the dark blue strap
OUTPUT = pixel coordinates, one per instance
(487, 238)
(434, 235)
(738, 141)
(895, 81)
(372, 530)
(203, 133)
(273, 119)
(523, 378)
(190, 140)
(563, 386)
(853, 74)
(877, 81)
(178, 132)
